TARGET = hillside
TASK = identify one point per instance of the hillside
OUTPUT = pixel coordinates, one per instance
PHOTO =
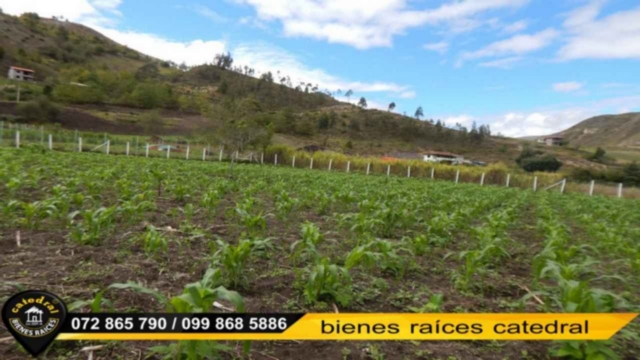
(620, 131)
(101, 85)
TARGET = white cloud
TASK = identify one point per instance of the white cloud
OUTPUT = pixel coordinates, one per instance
(195, 52)
(516, 26)
(506, 63)
(209, 14)
(616, 36)
(464, 120)
(439, 47)
(570, 86)
(516, 45)
(363, 23)
(74, 10)
(407, 95)
(265, 57)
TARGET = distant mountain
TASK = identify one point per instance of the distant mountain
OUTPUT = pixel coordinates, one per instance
(607, 131)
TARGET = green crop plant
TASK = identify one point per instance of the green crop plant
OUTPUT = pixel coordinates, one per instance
(153, 241)
(210, 200)
(328, 282)
(433, 306)
(307, 247)
(233, 261)
(95, 305)
(196, 298)
(419, 244)
(95, 225)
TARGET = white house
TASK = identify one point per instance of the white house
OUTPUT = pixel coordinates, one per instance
(443, 156)
(34, 316)
(18, 73)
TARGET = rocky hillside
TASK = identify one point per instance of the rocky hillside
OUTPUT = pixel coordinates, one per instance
(606, 131)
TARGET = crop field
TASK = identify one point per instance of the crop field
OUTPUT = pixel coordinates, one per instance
(127, 234)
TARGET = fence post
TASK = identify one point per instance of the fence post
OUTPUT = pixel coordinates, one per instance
(368, 168)
(237, 155)
(311, 164)
(204, 154)
(41, 135)
(108, 148)
(220, 156)
(128, 148)
(508, 179)
(564, 183)
(535, 183)
(330, 164)
(79, 144)
(592, 187)
(146, 151)
(620, 190)
(457, 176)
(17, 139)
(169, 151)
(409, 172)
(433, 173)
(348, 166)
(293, 162)
(482, 180)
(388, 169)
(136, 146)
(50, 142)
(275, 160)
(188, 150)
(261, 158)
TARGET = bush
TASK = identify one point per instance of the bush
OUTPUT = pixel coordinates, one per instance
(541, 163)
(40, 109)
(77, 94)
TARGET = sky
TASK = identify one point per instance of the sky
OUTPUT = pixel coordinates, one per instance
(524, 67)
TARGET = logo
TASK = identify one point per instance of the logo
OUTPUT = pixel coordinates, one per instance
(34, 318)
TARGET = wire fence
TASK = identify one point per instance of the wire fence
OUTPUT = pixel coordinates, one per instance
(24, 135)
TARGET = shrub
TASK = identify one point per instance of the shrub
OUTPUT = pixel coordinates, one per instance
(77, 94)
(541, 163)
(40, 109)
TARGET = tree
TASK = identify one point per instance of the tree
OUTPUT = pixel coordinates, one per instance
(632, 174)
(362, 103)
(223, 61)
(598, 155)
(151, 121)
(348, 94)
(224, 87)
(392, 107)
(419, 113)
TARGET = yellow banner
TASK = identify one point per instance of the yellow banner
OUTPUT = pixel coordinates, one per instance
(413, 327)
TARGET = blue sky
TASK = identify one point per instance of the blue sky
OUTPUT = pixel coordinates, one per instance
(525, 67)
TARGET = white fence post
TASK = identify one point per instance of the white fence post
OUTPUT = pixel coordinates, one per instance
(620, 190)
(17, 139)
(108, 148)
(368, 168)
(220, 156)
(79, 144)
(348, 166)
(388, 169)
(482, 180)
(330, 164)
(535, 183)
(237, 155)
(275, 160)
(261, 158)
(293, 162)
(592, 187)
(204, 154)
(409, 172)
(188, 150)
(508, 179)
(564, 183)
(433, 173)
(457, 176)
(146, 151)
(50, 142)
(311, 164)
(128, 148)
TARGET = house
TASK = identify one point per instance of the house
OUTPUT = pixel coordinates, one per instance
(22, 74)
(34, 316)
(443, 157)
(553, 140)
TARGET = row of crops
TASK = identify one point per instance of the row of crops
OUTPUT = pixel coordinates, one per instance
(135, 234)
